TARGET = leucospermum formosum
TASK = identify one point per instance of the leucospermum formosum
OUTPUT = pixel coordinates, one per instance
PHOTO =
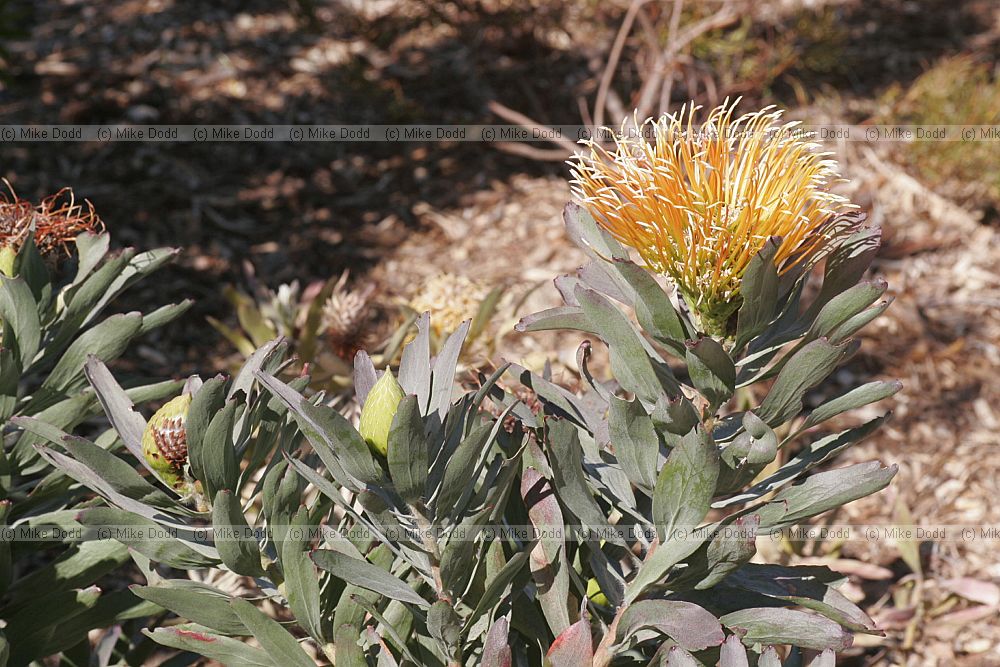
(707, 443)
(698, 202)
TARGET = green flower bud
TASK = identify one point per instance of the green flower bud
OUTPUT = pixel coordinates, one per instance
(164, 442)
(380, 408)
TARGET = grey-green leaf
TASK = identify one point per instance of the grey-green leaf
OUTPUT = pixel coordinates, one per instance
(631, 363)
(686, 484)
(777, 625)
(20, 319)
(846, 305)
(653, 309)
(367, 576)
(205, 404)
(572, 648)
(228, 651)
(809, 366)
(636, 445)
(195, 601)
(278, 642)
(331, 435)
(759, 289)
(236, 545)
(106, 341)
(712, 370)
(301, 578)
(853, 399)
(408, 451)
(691, 626)
(218, 453)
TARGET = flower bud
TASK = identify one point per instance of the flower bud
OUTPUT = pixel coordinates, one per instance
(164, 442)
(380, 408)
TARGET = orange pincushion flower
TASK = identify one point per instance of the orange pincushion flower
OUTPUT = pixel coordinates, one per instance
(697, 203)
(57, 221)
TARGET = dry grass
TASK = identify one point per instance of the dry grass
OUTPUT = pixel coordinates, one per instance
(958, 90)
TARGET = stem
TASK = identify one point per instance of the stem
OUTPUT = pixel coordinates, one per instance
(430, 544)
(603, 655)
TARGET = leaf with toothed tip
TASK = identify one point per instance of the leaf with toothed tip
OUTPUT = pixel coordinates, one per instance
(685, 484)
(711, 370)
(364, 574)
(733, 653)
(196, 602)
(415, 364)
(283, 648)
(776, 625)
(691, 626)
(443, 371)
(200, 640)
(572, 648)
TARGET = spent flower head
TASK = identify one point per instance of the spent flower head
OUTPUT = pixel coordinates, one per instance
(697, 202)
(55, 222)
(347, 316)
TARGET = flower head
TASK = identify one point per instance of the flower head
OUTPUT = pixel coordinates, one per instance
(56, 221)
(451, 299)
(698, 202)
(164, 442)
(347, 316)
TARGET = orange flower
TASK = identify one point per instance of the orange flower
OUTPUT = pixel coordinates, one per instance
(696, 203)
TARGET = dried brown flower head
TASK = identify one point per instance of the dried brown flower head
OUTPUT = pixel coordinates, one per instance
(57, 220)
(346, 317)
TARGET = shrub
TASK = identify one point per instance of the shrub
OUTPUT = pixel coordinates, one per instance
(612, 525)
(52, 322)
